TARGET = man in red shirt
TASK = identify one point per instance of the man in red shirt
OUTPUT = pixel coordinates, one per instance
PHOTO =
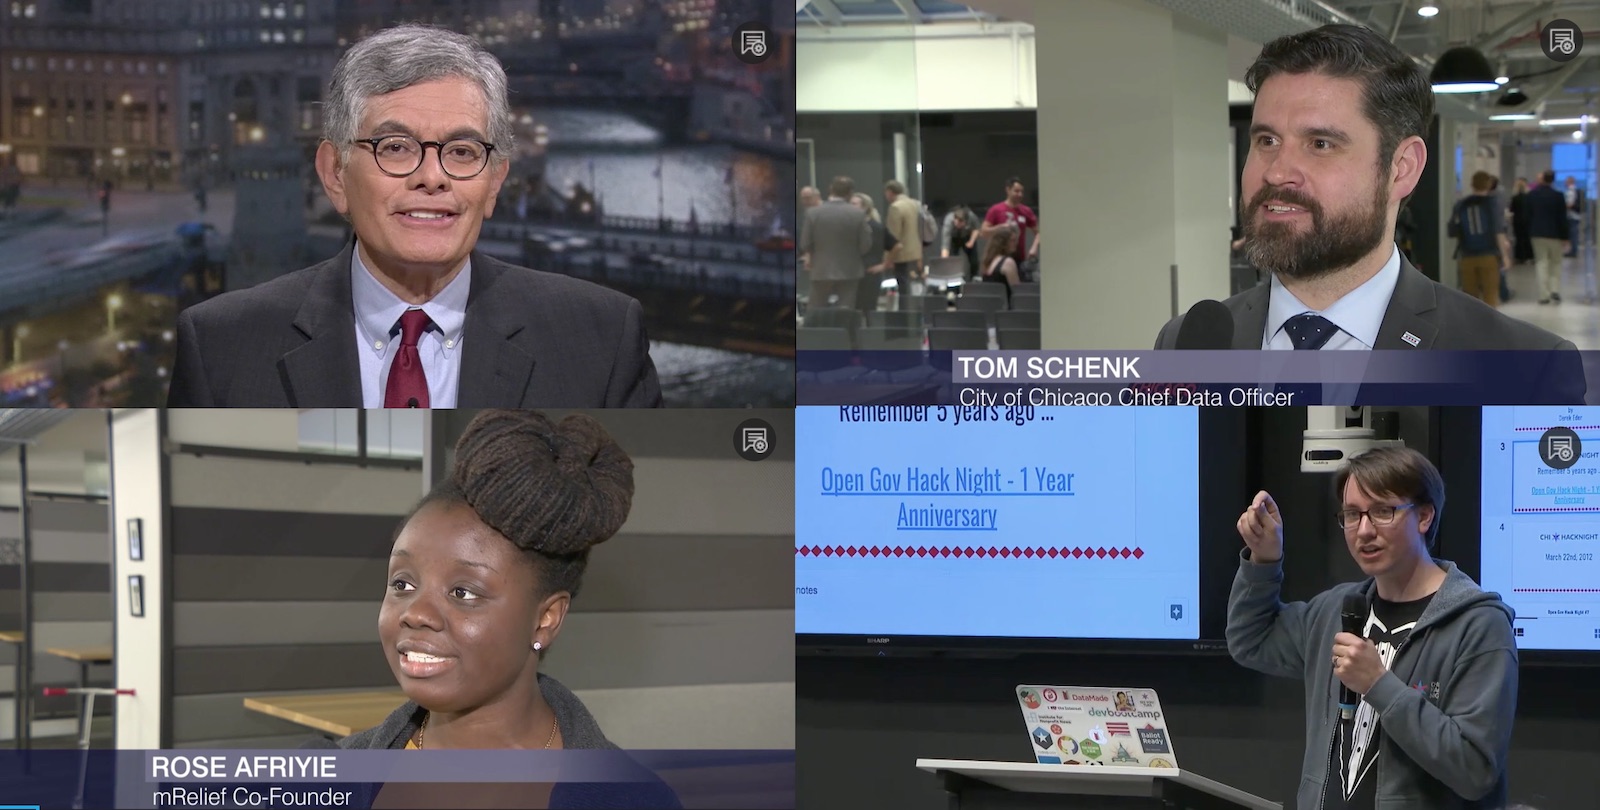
(1012, 211)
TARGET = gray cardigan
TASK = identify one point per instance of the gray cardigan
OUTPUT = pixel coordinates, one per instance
(578, 731)
(578, 728)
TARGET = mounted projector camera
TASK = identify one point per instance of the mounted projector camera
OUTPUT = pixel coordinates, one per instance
(1335, 434)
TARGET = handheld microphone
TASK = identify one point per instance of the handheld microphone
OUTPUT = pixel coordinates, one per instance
(411, 403)
(1354, 617)
(1207, 325)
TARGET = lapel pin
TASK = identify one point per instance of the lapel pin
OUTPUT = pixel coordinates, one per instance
(1411, 339)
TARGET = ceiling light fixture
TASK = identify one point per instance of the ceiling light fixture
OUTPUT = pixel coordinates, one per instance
(1463, 70)
(1428, 10)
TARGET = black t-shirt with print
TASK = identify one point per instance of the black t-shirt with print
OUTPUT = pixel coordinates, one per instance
(1354, 752)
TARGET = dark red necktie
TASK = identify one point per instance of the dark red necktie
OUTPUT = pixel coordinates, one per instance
(408, 385)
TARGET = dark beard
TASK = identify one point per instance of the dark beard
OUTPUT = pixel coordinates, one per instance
(1330, 246)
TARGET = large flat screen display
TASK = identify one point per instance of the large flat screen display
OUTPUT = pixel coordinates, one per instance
(1540, 528)
(1048, 523)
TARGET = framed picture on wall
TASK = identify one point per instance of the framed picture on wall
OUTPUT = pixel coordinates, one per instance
(135, 539)
(136, 595)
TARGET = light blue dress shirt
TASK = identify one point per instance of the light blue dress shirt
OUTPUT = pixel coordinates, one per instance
(378, 314)
(1359, 314)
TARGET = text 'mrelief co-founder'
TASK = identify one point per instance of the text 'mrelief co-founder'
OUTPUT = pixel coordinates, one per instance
(417, 143)
(1336, 148)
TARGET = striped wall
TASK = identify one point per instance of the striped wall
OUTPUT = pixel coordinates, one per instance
(71, 581)
(278, 570)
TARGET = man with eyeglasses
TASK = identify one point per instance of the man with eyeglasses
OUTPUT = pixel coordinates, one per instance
(417, 144)
(1436, 670)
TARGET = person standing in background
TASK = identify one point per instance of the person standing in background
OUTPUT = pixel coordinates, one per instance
(904, 222)
(1521, 242)
(834, 237)
(1551, 233)
(1013, 212)
(876, 258)
(961, 236)
(1574, 198)
(1482, 247)
(809, 198)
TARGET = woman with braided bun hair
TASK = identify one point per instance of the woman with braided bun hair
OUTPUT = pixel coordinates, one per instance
(480, 579)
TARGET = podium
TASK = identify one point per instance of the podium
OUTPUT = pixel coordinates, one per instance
(977, 785)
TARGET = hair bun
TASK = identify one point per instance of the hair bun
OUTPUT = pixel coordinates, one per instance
(549, 488)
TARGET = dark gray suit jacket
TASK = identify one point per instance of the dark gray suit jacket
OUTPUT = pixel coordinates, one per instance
(836, 234)
(531, 340)
(1437, 316)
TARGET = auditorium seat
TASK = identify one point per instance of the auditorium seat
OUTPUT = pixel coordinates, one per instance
(908, 320)
(892, 338)
(1014, 319)
(948, 339)
(960, 320)
(1014, 338)
(823, 337)
(1025, 303)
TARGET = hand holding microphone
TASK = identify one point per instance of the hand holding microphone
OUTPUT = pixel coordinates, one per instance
(1355, 659)
(1261, 527)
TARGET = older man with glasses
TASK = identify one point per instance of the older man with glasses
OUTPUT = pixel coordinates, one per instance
(417, 144)
(1432, 675)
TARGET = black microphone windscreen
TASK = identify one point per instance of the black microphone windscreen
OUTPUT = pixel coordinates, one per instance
(1354, 613)
(1207, 325)
(411, 403)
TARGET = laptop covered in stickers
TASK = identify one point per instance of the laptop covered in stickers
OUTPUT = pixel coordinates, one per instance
(1091, 725)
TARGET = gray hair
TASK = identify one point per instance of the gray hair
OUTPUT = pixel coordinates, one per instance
(397, 58)
(866, 205)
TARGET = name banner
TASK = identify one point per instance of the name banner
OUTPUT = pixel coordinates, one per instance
(1189, 378)
(366, 778)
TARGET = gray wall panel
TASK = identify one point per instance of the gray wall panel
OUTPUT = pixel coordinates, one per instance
(67, 577)
(687, 572)
(53, 545)
(68, 516)
(687, 433)
(621, 650)
(57, 607)
(206, 577)
(250, 532)
(47, 669)
(209, 670)
(292, 486)
(214, 624)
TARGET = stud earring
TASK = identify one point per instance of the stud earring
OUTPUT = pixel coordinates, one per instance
(537, 646)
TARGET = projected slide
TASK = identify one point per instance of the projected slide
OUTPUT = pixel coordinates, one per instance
(1047, 522)
(1541, 522)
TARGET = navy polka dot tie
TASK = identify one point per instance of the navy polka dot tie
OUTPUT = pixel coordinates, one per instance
(1309, 330)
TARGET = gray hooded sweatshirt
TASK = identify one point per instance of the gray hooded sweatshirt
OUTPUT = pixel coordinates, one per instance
(1446, 702)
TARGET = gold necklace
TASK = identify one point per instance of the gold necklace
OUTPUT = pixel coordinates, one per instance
(554, 726)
